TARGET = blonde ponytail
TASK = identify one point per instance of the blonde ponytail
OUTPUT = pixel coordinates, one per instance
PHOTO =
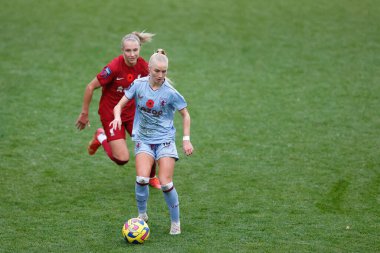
(139, 37)
(144, 37)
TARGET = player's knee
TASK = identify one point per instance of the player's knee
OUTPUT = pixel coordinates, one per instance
(120, 162)
(121, 159)
(142, 180)
(167, 187)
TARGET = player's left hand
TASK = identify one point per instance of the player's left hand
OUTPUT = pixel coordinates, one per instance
(187, 148)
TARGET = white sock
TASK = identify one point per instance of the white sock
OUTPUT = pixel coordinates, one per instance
(102, 137)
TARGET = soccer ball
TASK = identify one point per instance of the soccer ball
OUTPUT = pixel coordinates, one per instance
(135, 231)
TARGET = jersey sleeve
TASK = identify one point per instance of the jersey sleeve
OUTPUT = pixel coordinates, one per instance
(131, 90)
(178, 101)
(108, 73)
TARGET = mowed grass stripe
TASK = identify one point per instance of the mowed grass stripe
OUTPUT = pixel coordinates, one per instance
(284, 99)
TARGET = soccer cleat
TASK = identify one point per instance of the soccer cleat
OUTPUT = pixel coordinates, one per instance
(154, 182)
(175, 228)
(94, 144)
(143, 216)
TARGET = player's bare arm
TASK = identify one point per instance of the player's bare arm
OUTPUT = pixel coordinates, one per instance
(83, 119)
(186, 144)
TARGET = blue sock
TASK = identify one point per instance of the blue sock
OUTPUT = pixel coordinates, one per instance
(142, 195)
(171, 198)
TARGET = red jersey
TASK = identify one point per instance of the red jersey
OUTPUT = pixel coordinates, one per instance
(114, 78)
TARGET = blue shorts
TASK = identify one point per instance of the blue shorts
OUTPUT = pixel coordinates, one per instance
(157, 151)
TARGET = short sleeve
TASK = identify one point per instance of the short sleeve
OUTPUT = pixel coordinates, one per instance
(130, 91)
(108, 73)
(179, 101)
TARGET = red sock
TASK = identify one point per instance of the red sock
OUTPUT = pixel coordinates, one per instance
(107, 149)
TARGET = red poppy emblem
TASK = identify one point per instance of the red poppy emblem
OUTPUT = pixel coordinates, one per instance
(150, 103)
(130, 78)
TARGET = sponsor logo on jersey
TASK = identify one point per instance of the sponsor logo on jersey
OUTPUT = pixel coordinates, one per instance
(155, 113)
(119, 78)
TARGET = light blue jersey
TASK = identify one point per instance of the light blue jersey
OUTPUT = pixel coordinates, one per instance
(153, 123)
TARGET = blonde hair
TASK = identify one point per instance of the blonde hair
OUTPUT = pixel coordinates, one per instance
(160, 56)
(139, 37)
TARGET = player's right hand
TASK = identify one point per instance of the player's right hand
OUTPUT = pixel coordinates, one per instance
(116, 123)
(82, 121)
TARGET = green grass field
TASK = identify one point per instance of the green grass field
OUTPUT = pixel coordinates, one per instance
(284, 98)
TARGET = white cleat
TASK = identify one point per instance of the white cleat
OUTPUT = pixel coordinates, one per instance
(143, 216)
(175, 228)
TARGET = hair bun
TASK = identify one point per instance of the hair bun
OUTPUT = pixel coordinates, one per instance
(161, 51)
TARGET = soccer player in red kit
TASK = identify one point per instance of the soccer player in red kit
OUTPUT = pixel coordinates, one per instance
(113, 79)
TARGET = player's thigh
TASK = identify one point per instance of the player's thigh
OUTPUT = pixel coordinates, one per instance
(166, 169)
(116, 140)
(119, 149)
(144, 163)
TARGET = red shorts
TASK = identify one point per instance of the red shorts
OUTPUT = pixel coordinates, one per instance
(117, 133)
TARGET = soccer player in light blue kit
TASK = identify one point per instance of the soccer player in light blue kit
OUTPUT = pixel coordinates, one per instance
(154, 134)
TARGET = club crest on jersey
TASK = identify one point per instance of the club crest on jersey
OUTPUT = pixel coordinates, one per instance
(106, 72)
(162, 102)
